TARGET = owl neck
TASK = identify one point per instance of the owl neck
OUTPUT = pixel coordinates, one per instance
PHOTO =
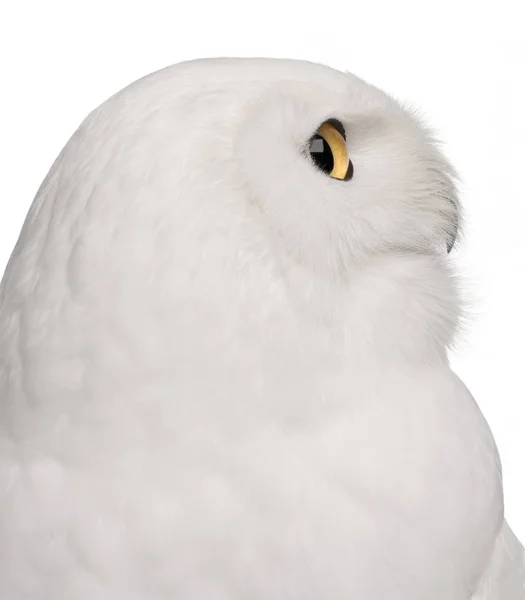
(401, 307)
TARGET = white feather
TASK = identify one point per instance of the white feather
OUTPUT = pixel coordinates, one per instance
(224, 375)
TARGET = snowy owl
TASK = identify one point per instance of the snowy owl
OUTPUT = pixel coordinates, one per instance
(223, 346)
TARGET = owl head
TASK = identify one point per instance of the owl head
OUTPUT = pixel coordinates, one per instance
(217, 181)
(232, 213)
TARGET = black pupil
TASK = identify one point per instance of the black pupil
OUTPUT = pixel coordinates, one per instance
(321, 154)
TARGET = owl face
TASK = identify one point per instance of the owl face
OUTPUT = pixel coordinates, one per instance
(271, 160)
(343, 172)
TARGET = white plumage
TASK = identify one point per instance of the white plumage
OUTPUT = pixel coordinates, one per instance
(224, 373)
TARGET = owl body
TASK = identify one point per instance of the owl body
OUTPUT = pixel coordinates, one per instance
(224, 373)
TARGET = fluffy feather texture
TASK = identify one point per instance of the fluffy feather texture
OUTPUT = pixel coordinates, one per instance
(224, 375)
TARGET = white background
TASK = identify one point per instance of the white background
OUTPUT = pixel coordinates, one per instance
(461, 62)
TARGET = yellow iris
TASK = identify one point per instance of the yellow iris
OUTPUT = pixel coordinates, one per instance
(329, 152)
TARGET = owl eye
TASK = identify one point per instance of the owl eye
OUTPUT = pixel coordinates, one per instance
(327, 148)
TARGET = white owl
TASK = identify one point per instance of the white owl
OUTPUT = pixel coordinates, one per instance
(223, 344)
